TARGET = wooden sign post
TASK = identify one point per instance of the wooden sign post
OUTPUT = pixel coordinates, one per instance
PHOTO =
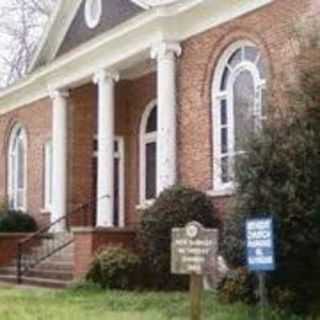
(194, 251)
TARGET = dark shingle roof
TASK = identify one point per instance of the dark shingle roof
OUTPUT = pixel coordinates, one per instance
(114, 13)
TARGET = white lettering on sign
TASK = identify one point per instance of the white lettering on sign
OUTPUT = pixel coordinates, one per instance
(260, 252)
(260, 260)
(193, 252)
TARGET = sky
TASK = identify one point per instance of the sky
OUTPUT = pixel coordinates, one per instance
(10, 22)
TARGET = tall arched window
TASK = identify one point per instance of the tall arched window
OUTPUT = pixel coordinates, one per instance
(238, 97)
(148, 153)
(17, 169)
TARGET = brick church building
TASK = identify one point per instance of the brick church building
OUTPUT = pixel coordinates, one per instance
(125, 98)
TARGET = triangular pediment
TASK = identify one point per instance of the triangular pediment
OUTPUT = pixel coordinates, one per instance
(68, 27)
(114, 12)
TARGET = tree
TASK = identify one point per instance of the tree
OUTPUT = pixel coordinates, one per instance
(280, 175)
(21, 25)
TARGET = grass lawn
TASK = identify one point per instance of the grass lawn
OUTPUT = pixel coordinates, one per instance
(42, 304)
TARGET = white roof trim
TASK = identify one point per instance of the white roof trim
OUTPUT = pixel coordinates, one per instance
(147, 4)
(55, 31)
(124, 46)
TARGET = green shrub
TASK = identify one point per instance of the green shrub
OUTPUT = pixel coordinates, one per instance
(174, 208)
(284, 297)
(15, 221)
(238, 285)
(115, 268)
(3, 207)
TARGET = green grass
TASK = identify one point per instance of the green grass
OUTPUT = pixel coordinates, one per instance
(93, 304)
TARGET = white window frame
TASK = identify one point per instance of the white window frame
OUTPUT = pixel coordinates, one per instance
(219, 187)
(120, 155)
(145, 138)
(48, 174)
(91, 20)
(13, 176)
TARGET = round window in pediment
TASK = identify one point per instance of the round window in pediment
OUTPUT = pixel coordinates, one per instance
(93, 12)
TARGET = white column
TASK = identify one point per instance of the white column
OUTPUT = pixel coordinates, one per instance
(166, 53)
(105, 179)
(59, 143)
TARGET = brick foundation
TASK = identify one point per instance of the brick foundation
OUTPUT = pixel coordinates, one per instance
(8, 246)
(88, 241)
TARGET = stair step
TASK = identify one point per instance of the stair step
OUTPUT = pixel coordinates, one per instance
(50, 274)
(63, 266)
(36, 281)
(8, 278)
(55, 271)
(53, 274)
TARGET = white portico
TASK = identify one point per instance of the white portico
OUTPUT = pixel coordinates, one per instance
(165, 54)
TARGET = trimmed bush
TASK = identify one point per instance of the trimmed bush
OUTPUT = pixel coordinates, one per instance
(115, 268)
(15, 221)
(174, 208)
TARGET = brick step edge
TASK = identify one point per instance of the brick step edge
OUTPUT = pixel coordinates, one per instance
(38, 282)
(40, 273)
(57, 265)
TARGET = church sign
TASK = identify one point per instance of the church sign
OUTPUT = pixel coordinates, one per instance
(194, 249)
(260, 248)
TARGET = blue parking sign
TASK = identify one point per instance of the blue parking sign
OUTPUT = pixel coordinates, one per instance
(260, 244)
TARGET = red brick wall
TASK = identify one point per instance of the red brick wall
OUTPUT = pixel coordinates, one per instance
(90, 241)
(139, 94)
(132, 97)
(9, 246)
(270, 28)
(36, 119)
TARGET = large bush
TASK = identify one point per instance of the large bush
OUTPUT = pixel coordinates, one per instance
(175, 207)
(116, 268)
(280, 175)
(15, 221)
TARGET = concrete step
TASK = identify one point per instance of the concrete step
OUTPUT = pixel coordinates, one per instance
(50, 274)
(53, 272)
(36, 281)
(38, 272)
(66, 266)
(56, 265)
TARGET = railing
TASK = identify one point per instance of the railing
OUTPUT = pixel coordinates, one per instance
(48, 240)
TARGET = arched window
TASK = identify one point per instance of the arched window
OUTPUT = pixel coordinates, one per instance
(17, 168)
(148, 153)
(238, 107)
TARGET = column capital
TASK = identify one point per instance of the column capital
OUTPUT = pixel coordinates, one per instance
(102, 75)
(58, 93)
(164, 48)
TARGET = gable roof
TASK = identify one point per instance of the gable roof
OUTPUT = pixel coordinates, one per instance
(55, 31)
(114, 12)
(67, 28)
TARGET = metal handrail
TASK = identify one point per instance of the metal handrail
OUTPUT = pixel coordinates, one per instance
(26, 260)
